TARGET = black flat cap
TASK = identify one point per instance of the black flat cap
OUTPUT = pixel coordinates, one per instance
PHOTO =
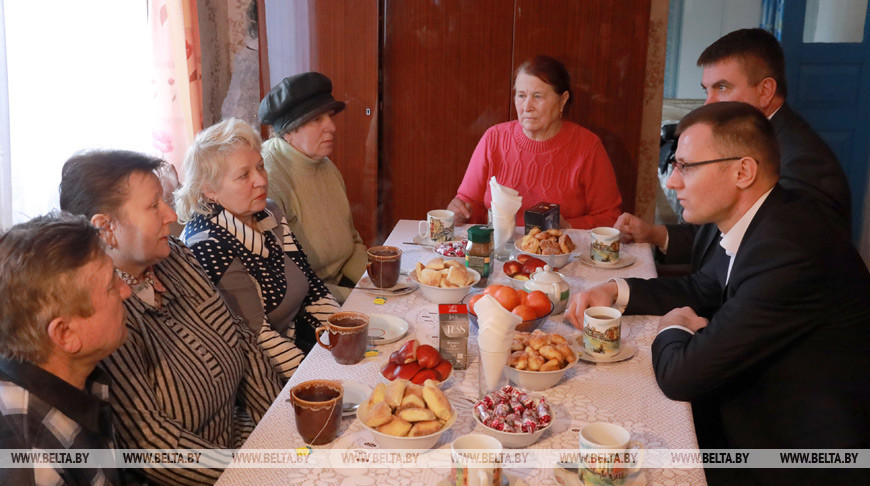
(297, 100)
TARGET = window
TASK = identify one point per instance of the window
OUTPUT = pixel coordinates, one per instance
(79, 77)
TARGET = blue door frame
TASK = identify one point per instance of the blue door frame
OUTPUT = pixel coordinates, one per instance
(829, 85)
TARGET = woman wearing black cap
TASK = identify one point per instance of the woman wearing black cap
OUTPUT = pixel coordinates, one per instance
(306, 184)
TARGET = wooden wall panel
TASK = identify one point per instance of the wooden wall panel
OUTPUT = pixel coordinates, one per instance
(342, 36)
(446, 79)
(604, 46)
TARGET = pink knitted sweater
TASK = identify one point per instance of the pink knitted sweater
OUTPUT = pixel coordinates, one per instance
(570, 169)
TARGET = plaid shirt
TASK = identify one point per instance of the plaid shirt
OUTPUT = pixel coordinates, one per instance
(39, 411)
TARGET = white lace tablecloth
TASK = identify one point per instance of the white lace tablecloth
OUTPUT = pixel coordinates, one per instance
(623, 393)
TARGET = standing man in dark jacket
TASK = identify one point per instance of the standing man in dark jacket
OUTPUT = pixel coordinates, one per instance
(748, 65)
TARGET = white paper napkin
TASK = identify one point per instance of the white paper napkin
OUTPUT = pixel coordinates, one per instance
(496, 325)
(505, 204)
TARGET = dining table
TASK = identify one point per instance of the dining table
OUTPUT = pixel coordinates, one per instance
(623, 392)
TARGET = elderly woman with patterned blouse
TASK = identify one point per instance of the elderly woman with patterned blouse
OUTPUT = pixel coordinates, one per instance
(189, 375)
(243, 242)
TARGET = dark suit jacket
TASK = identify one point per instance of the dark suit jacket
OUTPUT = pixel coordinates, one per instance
(784, 360)
(807, 164)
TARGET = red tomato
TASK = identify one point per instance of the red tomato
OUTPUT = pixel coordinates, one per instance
(525, 311)
(539, 301)
(507, 297)
(473, 301)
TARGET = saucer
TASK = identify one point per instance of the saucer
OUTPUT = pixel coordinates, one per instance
(369, 286)
(623, 261)
(354, 392)
(385, 329)
(625, 353)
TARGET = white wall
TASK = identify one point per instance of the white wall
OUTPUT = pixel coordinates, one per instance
(704, 21)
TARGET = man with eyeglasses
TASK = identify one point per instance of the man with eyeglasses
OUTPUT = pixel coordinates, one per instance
(769, 339)
(748, 65)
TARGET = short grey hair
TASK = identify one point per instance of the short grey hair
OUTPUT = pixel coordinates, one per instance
(204, 163)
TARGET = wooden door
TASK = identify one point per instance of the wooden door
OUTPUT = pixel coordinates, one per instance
(447, 75)
(338, 38)
(604, 47)
(446, 79)
(829, 85)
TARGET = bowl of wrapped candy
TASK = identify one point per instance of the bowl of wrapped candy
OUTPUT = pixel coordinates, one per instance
(514, 417)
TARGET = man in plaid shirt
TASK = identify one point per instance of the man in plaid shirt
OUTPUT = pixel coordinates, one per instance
(61, 312)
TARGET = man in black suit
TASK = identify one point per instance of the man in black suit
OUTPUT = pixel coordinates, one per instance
(748, 65)
(769, 338)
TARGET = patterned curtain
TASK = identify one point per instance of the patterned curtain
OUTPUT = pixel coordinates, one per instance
(5, 146)
(177, 77)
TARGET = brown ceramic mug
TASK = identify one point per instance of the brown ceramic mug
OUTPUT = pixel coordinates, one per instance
(317, 407)
(348, 334)
(383, 266)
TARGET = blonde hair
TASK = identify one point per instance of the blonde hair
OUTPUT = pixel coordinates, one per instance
(204, 163)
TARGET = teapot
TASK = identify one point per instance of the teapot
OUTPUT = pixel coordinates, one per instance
(551, 283)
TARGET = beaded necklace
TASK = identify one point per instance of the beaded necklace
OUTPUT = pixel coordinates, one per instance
(146, 287)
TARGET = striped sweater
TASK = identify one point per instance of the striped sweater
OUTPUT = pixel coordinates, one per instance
(189, 375)
(265, 278)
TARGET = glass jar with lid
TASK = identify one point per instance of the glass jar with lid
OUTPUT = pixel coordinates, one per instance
(478, 251)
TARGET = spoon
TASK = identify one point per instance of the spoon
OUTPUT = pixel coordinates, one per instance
(349, 407)
(394, 290)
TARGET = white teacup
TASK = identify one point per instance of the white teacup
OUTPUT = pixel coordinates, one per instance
(438, 226)
(476, 461)
(608, 455)
(604, 245)
(602, 331)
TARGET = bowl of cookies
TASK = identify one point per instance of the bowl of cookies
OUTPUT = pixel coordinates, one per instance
(553, 246)
(403, 415)
(444, 281)
(513, 416)
(539, 360)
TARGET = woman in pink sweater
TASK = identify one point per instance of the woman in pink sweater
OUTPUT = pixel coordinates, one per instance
(545, 158)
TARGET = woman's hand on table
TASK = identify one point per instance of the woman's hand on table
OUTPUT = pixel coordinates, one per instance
(600, 295)
(461, 211)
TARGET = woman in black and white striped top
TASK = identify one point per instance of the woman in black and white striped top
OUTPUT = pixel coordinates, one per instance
(189, 376)
(245, 245)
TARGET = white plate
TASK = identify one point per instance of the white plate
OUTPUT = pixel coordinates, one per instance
(367, 286)
(354, 392)
(385, 329)
(623, 261)
(626, 352)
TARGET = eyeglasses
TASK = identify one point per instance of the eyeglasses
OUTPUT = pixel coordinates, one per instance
(682, 166)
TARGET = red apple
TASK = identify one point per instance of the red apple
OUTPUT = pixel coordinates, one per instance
(389, 371)
(407, 371)
(394, 358)
(408, 352)
(522, 257)
(424, 375)
(533, 264)
(512, 267)
(428, 357)
(444, 369)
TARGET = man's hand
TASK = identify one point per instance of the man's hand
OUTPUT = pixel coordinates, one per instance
(461, 210)
(634, 229)
(602, 295)
(683, 316)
